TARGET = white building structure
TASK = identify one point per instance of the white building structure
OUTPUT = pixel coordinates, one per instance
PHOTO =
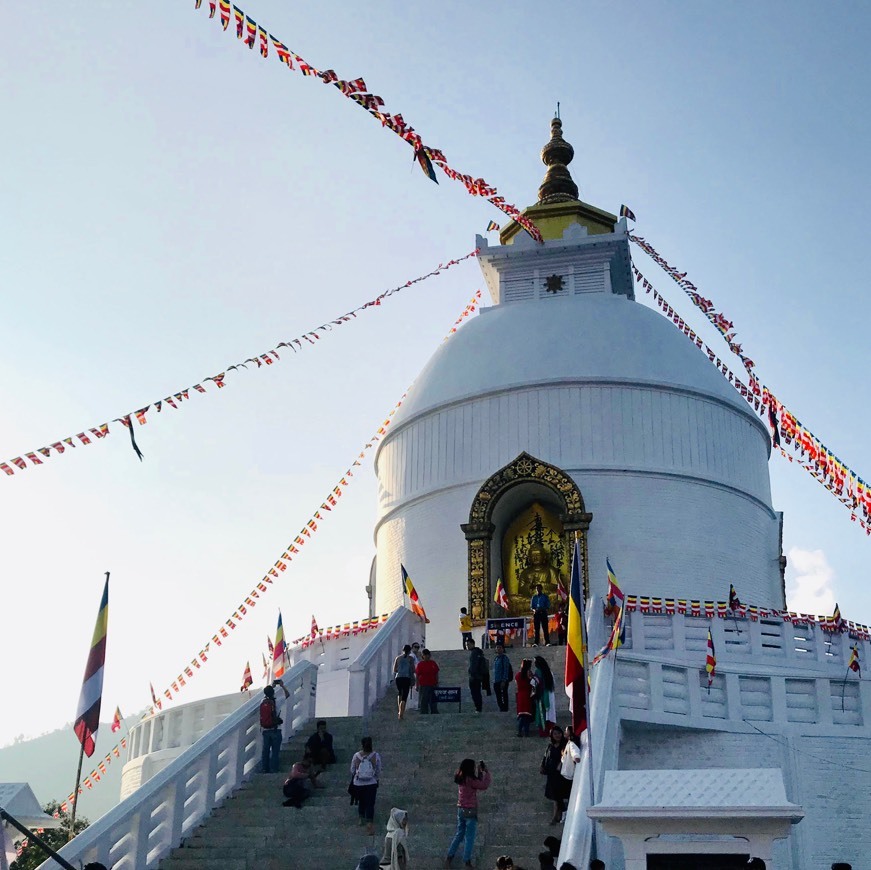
(569, 410)
(604, 395)
(568, 403)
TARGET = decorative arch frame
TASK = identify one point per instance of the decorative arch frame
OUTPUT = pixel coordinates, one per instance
(480, 528)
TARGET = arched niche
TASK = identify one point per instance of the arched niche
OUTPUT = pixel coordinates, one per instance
(520, 482)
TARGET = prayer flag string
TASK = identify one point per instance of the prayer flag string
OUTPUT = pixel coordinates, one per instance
(357, 91)
(173, 400)
(811, 453)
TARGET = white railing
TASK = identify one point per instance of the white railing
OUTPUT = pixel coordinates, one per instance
(372, 670)
(578, 831)
(768, 643)
(143, 829)
(767, 671)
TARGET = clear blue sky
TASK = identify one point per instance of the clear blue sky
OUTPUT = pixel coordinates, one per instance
(171, 203)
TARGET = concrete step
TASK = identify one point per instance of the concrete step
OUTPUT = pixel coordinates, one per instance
(252, 830)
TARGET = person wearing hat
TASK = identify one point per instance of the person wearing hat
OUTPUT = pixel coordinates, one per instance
(270, 728)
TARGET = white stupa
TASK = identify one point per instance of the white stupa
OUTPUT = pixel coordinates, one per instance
(570, 395)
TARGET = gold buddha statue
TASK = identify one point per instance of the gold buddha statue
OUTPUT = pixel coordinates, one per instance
(538, 572)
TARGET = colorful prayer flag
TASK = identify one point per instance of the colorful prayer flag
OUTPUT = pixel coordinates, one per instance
(247, 679)
(614, 597)
(734, 600)
(88, 712)
(240, 27)
(116, 720)
(626, 212)
(278, 650)
(413, 598)
(491, 226)
(614, 602)
(710, 660)
(500, 596)
(314, 628)
(154, 699)
(225, 12)
(575, 651)
(425, 163)
(853, 664)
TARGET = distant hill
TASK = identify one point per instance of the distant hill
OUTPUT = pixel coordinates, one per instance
(49, 763)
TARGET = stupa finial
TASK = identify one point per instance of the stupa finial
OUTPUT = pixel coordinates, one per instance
(558, 185)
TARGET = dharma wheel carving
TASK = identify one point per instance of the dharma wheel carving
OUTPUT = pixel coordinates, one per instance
(480, 528)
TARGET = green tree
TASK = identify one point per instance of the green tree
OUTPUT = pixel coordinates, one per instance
(32, 856)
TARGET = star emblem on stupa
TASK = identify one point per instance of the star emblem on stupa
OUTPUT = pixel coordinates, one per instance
(553, 283)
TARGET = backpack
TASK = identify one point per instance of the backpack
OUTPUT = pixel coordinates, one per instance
(269, 718)
(366, 769)
(483, 668)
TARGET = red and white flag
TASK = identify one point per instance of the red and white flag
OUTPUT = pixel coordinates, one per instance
(314, 629)
(116, 720)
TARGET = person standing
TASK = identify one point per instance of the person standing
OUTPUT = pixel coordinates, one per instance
(427, 674)
(551, 762)
(545, 697)
(465, 627)
(523, 682)
(365, 775)
(540, 605)
(479, 674)
(416, 657)
(270, 728)
(562, 624)
(470, 780)
(403, 675)
(503, 674)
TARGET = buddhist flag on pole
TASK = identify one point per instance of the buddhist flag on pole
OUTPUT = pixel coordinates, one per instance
(413, 597)
(116, 720)
(853, 664)
(88, 712)
(278, 651)
(314, 629)
(265, 665)
(154, 699)
(575, 652)
(613, 607)
(711, 660)
(500, 596)
(247, 679)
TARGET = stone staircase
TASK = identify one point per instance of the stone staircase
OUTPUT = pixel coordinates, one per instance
(420, 755)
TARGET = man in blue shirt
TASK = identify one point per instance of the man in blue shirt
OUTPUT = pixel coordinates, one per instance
(540, 609)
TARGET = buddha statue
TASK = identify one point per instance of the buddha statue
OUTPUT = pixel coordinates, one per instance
(538, 572)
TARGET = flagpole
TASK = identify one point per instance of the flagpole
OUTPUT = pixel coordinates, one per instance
(587, 668)
(76, 792)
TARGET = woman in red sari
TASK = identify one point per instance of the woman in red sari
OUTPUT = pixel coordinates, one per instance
(525, 712)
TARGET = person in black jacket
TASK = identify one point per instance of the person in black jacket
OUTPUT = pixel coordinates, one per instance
(479, 674)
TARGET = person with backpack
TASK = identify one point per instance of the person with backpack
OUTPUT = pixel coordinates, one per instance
(365, 774)
(270, 728)
(403, 676)
(503, 674)
(479, 674)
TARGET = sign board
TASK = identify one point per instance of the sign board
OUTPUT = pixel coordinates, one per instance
(448, 695)
(506, 630)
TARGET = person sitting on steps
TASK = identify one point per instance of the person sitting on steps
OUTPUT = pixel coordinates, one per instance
(296, 788)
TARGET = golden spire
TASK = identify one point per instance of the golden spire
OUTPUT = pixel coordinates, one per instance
(558, 185)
